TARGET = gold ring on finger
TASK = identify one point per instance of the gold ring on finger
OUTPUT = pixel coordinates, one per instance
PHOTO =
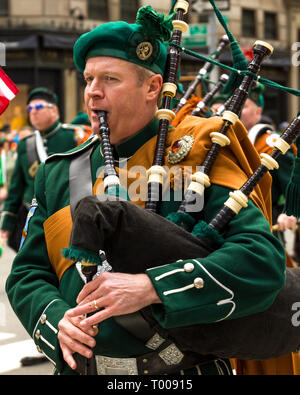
(95, 305)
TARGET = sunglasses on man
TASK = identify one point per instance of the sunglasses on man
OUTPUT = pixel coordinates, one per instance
(39, 106)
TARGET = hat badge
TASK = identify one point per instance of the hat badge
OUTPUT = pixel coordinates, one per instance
(180, 149)
(144, 50)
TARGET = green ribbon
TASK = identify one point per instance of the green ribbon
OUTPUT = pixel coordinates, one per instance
(264, 81)
(240, 64)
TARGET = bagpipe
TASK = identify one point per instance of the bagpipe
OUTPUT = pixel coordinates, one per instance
(113, 225)
(203, 72)
(202, 106)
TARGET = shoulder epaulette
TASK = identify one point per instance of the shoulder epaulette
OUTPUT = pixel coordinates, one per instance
(73, 126)
(257, 130)
(272, 139)
(74, 151)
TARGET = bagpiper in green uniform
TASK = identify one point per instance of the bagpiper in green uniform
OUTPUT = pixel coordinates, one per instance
(231, 282)
(34, 149)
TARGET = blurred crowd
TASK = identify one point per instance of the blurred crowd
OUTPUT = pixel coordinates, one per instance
(9, 139)
(25, 143)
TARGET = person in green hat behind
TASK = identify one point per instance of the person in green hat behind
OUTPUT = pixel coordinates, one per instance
(50, 136)
(81, 119)
(123, 66)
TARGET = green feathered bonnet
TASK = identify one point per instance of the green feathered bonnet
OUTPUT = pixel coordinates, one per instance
(42, 93)
(140, 43)
(81, 119)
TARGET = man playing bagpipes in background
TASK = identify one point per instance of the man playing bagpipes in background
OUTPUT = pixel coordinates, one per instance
(123, 67)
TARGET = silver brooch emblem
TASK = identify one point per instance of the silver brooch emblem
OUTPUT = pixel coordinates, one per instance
(144, 50)
(180, 149)
(171, 355)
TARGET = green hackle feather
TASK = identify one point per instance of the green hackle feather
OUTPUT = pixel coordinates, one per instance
(205, 232)
(155, 25)
(181, 219)
(78, 255)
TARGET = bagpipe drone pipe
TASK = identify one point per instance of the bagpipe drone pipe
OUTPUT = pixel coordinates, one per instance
(204, 70)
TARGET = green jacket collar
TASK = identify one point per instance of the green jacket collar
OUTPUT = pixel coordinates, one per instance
(129, 146)
(52, 130)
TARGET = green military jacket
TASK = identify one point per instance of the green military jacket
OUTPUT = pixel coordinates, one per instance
(59, 138)
(241, 278)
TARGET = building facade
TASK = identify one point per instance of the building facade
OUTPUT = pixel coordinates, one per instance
(39, 35)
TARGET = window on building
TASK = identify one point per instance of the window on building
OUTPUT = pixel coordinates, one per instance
(271, 25)
(203, 18)
(3, 7)
(248, 23)
(129, 9)
(98, 9)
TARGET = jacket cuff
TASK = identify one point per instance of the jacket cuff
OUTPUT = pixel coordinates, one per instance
(46, 330)
(188, 287)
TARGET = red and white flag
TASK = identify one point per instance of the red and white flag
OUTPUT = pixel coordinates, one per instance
(8, 91)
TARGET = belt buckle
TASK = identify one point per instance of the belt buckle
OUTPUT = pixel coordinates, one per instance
(116, 366)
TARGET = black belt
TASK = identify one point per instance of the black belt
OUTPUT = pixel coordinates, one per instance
(167, 359)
